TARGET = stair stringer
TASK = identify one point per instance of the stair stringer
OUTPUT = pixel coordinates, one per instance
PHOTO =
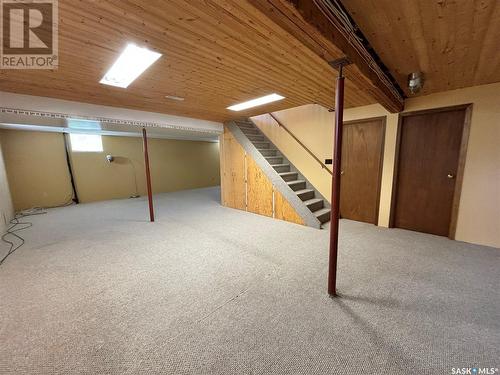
(301, 209)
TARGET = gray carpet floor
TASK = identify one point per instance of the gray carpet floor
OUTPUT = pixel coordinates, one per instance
(210, 290)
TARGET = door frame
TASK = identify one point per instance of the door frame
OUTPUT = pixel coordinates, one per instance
(461, 161)
(383, 119)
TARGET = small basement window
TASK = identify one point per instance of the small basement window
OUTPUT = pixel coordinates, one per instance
(85, 142)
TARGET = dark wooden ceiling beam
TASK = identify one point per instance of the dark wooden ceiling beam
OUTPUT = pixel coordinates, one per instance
(306, 22)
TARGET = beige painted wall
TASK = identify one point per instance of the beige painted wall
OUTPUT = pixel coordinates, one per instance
(36, 168)
(312, 125)
(38, 175)
(479, 211)
(6, 207)
(175, 165)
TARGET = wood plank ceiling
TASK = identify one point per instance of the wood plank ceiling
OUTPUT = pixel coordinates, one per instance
(215, 53)
(454, 42)
(321, 26)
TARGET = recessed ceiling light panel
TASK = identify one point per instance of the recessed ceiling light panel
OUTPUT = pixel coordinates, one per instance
(132, 62)
(256, 102)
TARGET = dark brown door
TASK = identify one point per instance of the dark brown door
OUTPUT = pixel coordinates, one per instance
(362, 151)
(429, 152)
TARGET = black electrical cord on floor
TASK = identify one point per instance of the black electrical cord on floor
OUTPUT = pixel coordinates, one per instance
(25, 225)
(15, 223)
(13, 247)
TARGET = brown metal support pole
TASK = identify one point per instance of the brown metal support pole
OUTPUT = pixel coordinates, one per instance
(335, 199)
(148, 175)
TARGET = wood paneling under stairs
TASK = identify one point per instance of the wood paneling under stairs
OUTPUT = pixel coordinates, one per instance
(244, 185)
(283, 210)
(259, 190)
(232, 161)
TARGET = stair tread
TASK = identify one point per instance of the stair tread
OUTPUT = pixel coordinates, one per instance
(266, 149)
(311, 201)
(280, 165)
(287, 173)
(295, 182)
(321, 212)
(298, 192)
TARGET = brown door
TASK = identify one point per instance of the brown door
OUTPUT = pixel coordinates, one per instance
(429, 152)
(362, 154)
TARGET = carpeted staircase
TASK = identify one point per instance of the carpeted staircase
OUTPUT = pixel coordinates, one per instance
(304, 190)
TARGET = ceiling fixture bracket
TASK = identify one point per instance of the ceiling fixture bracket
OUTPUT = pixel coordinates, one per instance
(339, 63)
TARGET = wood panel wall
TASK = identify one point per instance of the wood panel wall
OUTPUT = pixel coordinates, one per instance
(244, 185)
(259, 190)
(233, 172)
(284, 211)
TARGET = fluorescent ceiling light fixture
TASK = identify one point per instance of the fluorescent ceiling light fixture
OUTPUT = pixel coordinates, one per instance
(256, 102)
(130, 64)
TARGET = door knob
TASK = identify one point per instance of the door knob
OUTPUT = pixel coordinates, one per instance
(450, 176)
